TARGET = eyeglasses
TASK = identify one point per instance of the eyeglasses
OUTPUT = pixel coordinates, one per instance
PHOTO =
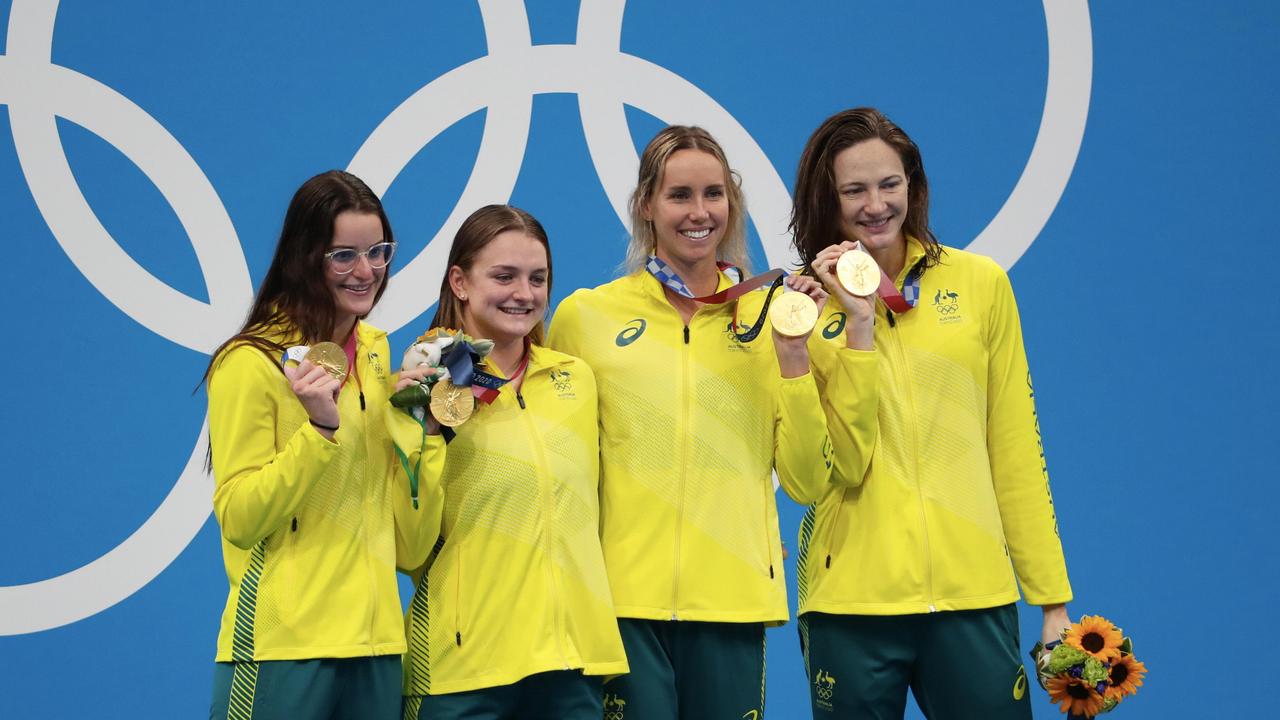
(344, 261)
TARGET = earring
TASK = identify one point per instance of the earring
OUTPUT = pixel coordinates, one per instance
(463, 297)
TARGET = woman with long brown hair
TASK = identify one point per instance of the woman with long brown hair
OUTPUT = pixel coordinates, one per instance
(939, 508)
(313, 521)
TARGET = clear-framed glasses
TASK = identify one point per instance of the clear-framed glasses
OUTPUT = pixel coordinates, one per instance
(344, 260)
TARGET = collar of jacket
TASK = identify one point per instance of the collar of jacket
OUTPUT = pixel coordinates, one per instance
(286, 334)
(652, 288)
(915, 253)
(541, 359)
(367, 334)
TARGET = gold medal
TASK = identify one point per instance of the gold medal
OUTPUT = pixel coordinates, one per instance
(793, 314)
(331, 357)
(858, 273)
(451, 404)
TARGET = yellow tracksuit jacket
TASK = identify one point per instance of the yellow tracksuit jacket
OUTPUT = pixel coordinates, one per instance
(517, 585)
(940, 494)
(691, 424)
(312, 530)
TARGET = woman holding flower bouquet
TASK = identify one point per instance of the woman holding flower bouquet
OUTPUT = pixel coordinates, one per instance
(313, 522)
(512, 616)
(940, 496)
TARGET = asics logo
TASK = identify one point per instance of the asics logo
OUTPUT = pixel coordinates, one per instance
(631, 333)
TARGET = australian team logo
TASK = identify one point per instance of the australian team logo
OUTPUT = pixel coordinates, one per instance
(562, 381)
(614, 707)
(375, 364)
(731, 333)
(824, 686)
(947, 304)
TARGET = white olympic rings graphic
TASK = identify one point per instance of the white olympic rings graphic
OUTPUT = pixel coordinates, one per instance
(505, 81)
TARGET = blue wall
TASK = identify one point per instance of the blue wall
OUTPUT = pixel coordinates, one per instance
(145, 173)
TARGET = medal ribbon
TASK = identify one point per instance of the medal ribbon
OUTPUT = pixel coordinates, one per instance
(900, 302)
(671, 280)
(460, 360)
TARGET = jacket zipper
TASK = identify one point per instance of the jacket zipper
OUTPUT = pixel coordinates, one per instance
(684, 464)
(457, 600)
(364, 421)
(768, 535)
(544, 489)
(915, 460)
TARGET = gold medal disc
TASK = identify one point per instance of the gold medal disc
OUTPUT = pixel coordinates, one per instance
(793, 314)
(858, 273)
(331, 357)
(451, 404)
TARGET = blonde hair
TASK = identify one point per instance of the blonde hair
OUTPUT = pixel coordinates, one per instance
(733, 247)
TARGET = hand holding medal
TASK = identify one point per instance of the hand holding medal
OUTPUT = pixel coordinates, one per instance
(435, 386)
(451, 358)
(793, 316)
(315, 375)
(846, 270)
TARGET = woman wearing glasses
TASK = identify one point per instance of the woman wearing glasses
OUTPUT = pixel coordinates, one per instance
(313, 521)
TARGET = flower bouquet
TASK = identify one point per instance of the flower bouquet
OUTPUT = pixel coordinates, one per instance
(453, 354)
(1091, 669)
(445, 393)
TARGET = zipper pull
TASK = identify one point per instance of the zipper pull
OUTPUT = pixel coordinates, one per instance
(828, 561)
(889, 313)
(459, 636)
(686, 334)
(295, 525)
(770, 571)
(520, 399)
(362, 401)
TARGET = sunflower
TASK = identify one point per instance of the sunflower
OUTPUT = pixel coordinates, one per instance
(1097, 636)
(1074, 695)
(1126, 677)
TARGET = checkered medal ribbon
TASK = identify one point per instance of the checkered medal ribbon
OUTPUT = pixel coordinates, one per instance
(663, 272)
(904, 300)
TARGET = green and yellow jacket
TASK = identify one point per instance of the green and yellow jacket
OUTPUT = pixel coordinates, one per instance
(940, 496)
(312, 530)
(692, 424)
(517, 585)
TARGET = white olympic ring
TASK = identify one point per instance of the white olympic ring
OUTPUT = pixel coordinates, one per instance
(505, 81)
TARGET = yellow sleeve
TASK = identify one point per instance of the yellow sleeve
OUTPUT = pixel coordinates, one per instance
(416, 528)
(802, 449)
(257, 488)
(849, 384)
(1018, 468)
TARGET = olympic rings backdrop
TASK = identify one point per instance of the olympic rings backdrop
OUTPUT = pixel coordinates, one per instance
(1118, 158)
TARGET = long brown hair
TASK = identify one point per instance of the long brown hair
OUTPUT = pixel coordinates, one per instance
(294, 295)
(815, 212)
(653, 162)
(476, 232)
